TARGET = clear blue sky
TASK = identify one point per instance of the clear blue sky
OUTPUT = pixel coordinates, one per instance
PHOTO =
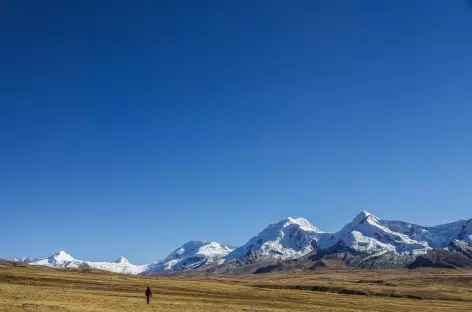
(128, 129)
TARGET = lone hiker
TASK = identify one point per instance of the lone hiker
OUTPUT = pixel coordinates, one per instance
(148, 294)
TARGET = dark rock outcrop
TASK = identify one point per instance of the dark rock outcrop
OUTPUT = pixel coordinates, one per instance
(441, 258)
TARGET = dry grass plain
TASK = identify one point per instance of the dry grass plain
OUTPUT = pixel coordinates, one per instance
(41, 289)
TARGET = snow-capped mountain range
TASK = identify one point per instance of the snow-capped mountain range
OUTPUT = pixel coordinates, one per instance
(191, 255)
(290, 238)
(62, 259)
(366, 233)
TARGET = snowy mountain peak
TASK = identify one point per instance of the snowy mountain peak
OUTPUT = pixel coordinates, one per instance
(192, 248)
(364, 216)
(62, 256)
(300, 223)
(191, 255)
(303, 223)
(121, 260)
(59, 260)
(369, 234)
(187, 249)
(289, 238)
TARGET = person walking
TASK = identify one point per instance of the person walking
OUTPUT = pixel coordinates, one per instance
(148, 294)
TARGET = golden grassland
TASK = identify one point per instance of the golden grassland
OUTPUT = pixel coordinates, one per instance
(24, 288)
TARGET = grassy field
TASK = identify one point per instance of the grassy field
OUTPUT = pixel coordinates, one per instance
(42, 289)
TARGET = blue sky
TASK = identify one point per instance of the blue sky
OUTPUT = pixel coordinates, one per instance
(128, 129)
